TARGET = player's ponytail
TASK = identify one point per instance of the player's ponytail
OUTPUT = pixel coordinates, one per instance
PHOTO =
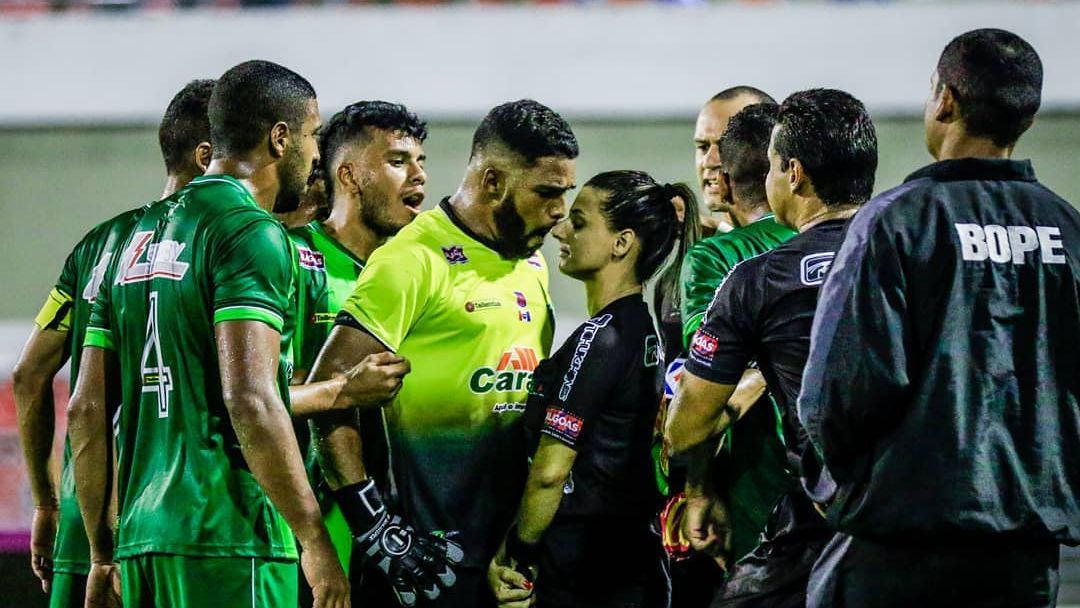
(637, 202)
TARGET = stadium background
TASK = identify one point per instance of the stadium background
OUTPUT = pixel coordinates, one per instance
(85, 83)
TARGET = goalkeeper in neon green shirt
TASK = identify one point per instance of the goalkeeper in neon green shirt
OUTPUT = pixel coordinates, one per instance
(461, 294)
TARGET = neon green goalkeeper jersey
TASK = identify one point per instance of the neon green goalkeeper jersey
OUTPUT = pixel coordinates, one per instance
(474, 326)
(67, 309)
(205, 255)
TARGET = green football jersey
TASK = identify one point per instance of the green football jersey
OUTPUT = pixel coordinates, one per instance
(67, 309)
(710, 260)
(205, 255)
(756, 465)
(474, 326)
(327, 273)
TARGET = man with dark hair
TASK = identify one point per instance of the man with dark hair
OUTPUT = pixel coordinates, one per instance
(823, 142)
(461, 294)
(941, 391)
(373, 166)
(184, 136)
(711, 122)
(209, 478)
(754, 465)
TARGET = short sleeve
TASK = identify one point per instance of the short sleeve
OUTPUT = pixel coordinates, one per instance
(252, 271)
(392, 292)
(703, 269)
(99, 326)
(723, 347)
(592, 370)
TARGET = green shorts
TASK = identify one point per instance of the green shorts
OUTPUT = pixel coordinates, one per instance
(68, 590)
(181, 581)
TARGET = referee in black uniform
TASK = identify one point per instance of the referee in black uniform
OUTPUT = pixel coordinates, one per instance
(944, 378)
(822, 159)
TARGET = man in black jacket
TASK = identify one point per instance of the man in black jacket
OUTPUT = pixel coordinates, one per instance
(942, 388)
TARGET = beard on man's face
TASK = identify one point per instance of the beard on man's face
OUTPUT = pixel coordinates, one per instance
(512, 242)
(293, 180)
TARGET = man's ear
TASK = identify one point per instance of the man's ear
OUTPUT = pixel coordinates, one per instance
(727, 193)
(797, 178)
(946, 110)
(279, 139)
(202, 155)
(493, 183)
(345, 176)
(623, 243)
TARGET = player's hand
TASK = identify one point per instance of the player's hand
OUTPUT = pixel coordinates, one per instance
(42, 538)
(324, 575)
(103, 586)
(707, 526)
(374, 381)
(512, 589)
(415, 564)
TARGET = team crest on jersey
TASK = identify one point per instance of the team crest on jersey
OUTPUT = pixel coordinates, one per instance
(704, 346)
(815, 266)
(535, 261)
(672, 376)
(523, 307)
(311, 260)
(454, 254)
(513, 372)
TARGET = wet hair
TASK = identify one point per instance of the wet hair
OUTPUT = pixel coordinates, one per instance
(355, 122)
(996, 78)
(250, 99)
(744, 151)
(831, 134)
(528, 128)
(637, 202)
(184, 126)
(738, 91)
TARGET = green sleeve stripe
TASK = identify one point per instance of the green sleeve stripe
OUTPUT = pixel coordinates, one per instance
(249, 313)
(101, 338)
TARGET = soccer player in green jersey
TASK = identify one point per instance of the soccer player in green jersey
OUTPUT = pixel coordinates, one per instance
(60, 556)
(191, 313)
(372, 154)
(462, 294)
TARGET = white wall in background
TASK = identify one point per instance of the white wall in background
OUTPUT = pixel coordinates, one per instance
(457, 61)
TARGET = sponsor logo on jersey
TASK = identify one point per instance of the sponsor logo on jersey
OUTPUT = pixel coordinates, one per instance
(513, 372)
(143, 260)
(563, 424)
(535, 261)
(704, 345)
(323, 317)
(454, 254)
(1004, 244)
(815, 266)
(588, 333)
(500, 408)
(523, 307)
(478, 305)
(568, 487)
(311, 260)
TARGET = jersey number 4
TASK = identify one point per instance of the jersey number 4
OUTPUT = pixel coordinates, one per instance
(156, 376)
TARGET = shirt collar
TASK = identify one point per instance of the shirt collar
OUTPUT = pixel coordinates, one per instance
(976, 168)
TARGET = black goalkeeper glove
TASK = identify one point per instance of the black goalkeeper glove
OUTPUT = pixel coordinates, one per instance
(415, 564)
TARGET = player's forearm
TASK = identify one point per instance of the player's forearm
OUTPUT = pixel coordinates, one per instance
(538, 507)
(269, 447)
(750, 389)
(88, 428)
(316, 397)
(339, 448)
(34, 408)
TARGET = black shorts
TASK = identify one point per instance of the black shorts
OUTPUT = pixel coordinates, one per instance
(856, 573)
(601, 564)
